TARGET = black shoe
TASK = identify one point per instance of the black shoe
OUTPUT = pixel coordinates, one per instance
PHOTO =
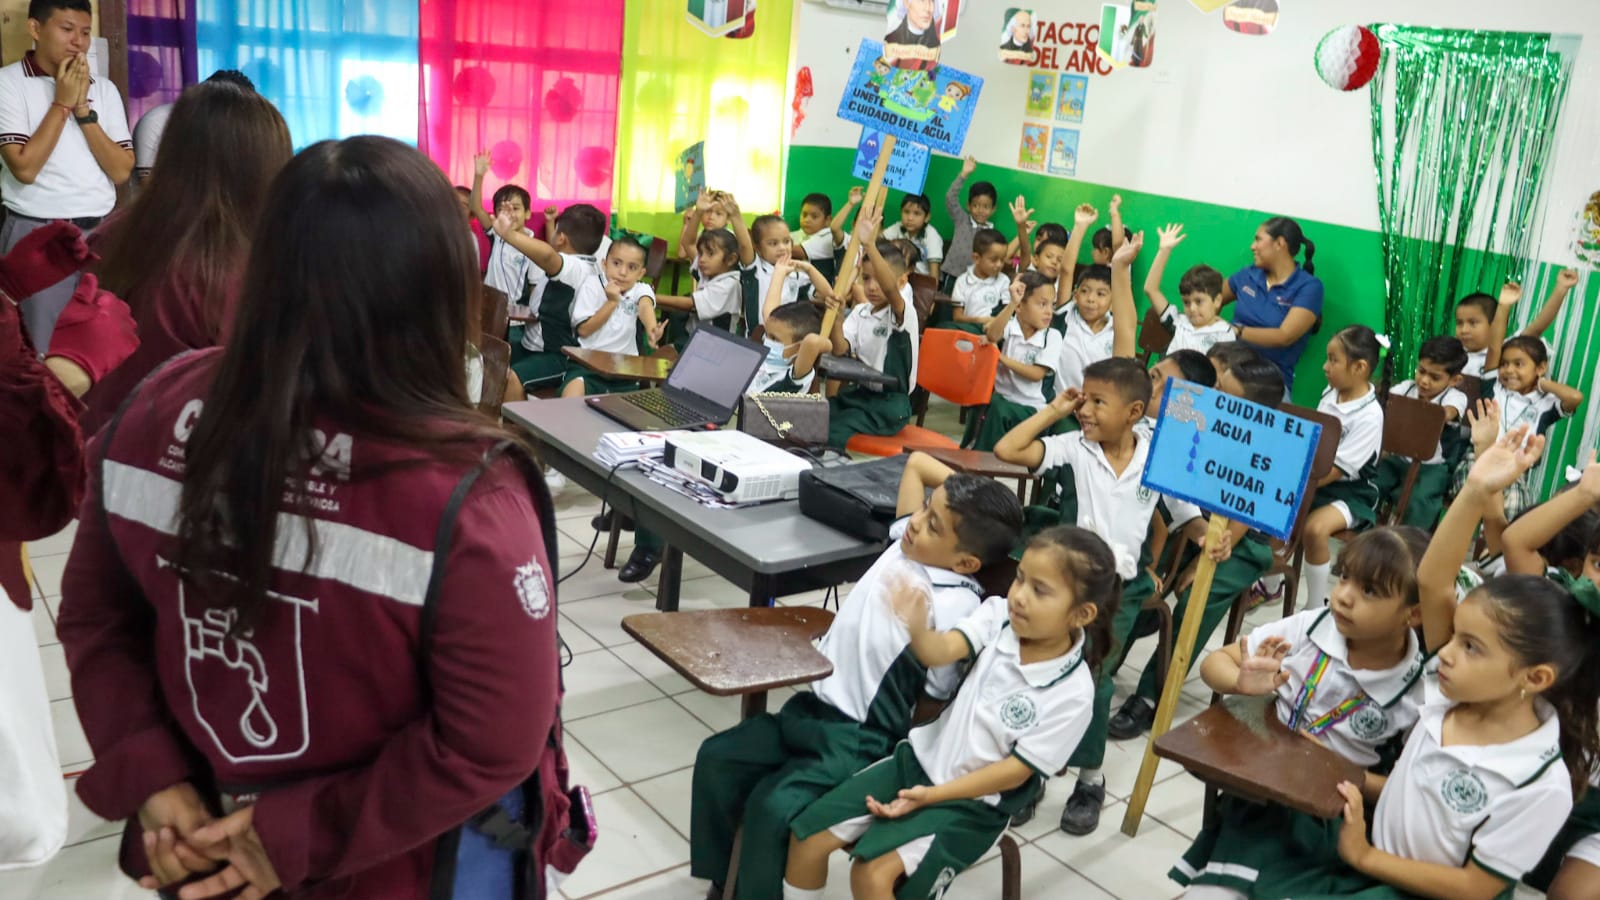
(602, 522)
(641, 562)
(714, 892)
(1082, 814)
(1133, 719)
(1025, 815)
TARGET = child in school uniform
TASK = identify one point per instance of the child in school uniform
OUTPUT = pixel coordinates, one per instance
(568, 262)
(766, 770)
(1049, 250)
(980, 291)
(965, 221)
(607, 313)
(712, 211)
(1439, 366)
(1098, 470)
(943, 798)
(507, 270)
(881, 330)
(822, 233)
(1348, 676)
(1526, 397)
(1199, 325)
(915, 210)
(774, 246)
(718, 298)
(1488, 776)
(1481, 321)
(1030, 350)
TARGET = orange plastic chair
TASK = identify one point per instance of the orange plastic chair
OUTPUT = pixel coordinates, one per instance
(951, 364)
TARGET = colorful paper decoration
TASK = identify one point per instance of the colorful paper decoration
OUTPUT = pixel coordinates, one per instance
(1348, 57)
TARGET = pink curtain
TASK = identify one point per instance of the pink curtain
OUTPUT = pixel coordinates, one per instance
(534, 83)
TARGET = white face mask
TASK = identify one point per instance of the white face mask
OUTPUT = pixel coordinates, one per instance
(775, 349)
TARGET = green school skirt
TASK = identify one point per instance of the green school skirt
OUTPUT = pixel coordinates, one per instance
(1359, 495)
(594, 383)
(987, 425)
(1584, 821)
(856, 410)
(1091, 750)
(1427, 496)
(962, 830)
(968, 327)
(537, 368)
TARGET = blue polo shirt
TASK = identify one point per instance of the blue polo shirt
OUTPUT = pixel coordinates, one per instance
(1258, 306)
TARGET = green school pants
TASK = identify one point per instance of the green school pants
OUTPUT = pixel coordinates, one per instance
(1091, 750)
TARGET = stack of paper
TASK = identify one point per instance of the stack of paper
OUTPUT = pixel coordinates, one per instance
(623, 447)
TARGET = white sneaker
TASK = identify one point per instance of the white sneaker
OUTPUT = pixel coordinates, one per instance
(555, 481)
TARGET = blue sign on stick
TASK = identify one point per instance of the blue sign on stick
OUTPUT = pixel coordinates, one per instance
(908, 163)
(932, 108)
(1231, 457)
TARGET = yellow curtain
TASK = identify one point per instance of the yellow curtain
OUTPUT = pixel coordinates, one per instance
(680, 86)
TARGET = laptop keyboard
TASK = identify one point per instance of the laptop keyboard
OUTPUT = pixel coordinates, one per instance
(660, 404)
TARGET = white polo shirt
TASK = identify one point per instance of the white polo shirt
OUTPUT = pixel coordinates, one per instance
(1187, 337)
(868, 332)
(147, 136)
(1081, 347)
(775, 368)
(866, 637)
(928, 243)
(1353, 711)
(71, 185)
(1361, 430)
(719, 295)
(1537, 408)
(1499, 805)
(792, 285)
(1450, 398)
(1116, 507)
(981, 297)
(1037, 712)
(620, 333)
(509, 270)
(1043, 349)
(820, 245)
(1476, 359)
(575, 270)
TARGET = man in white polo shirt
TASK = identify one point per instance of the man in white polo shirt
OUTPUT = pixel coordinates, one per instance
(64, 141)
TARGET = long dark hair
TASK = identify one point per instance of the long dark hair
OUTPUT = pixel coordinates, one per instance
(193, 220)
(1361, 343)
(327, 327)
(1090, 567)
(1288, 229)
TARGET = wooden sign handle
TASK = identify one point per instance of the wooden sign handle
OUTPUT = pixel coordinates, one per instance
(873, 196)
(1177, 670)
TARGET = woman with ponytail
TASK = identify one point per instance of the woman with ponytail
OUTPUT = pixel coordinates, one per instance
(1280, 301)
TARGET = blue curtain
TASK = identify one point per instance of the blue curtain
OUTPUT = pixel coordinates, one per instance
(334, 68)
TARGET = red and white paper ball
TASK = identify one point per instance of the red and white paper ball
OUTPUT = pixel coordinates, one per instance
(1348, 57)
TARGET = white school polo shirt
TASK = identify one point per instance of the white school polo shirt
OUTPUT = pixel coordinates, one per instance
(620, 333)
(1080, 347)
(1037, 712)
(1116, 507)
(866, 637)
(508, 269)
(1450, 398)
(981, 297)
(1476, 359)
(928, 243)
(1537, 408)
(868, 332)
(147, 136)
(791, 285)
(1499, 806)
(1361, 430)
(71, 185)
(575, 270)
(719, 295)
(1187, 337)
(820, 245)
(1043, 349)
(1353, 711)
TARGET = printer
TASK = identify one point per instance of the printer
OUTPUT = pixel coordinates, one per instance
(739, 467)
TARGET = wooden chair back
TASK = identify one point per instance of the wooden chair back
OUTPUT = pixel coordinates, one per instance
(1412, 428)
(655, 258)
(1154, 337)
(495, 312)
(1321, 462)
(1472, 386)
(920, 282)
(496, 362)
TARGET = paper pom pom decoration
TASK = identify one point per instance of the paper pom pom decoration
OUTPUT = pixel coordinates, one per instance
(562, 102)
(364, 95)
(1348, 57)
(505, 158)
(474, 86)
(594, 166)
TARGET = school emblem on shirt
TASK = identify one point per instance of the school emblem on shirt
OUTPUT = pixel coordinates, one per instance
(1463, 792)
(1018, 712)
(881, 331)
(532, 589)
(1369, 722)
(1144, 495)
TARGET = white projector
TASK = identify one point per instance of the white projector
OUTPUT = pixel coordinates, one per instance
(742, 468)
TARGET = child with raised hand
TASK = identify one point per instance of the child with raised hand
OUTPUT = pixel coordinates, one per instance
(881, 331)
(1049, 250)
(1020, 250)
(718, 299)
(1346, 497)
(1526, 538)
(914, 225)
(1086, 321)
(1200, 326)
(769, 768)
(1477, 796)
(1439, 366)
(709, 213)
(943, 798)
(1030, 350)
(966, 221)
(775, 246)
(980, 291)
(1348, 676)
(792, 335)
(821, 232)
(509, 271)
(1067, 278)
(569, 262)
(607, 314)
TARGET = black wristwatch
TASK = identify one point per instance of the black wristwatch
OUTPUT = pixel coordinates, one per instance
(88, 119)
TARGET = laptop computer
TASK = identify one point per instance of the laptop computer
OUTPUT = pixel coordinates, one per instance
(702, 389)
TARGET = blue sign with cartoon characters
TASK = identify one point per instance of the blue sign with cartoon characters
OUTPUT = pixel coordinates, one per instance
(1247, 462)
(932, 108)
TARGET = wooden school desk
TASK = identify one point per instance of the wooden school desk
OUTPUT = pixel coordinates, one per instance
(652, 369)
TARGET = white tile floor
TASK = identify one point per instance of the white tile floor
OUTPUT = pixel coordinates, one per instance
(633, 727)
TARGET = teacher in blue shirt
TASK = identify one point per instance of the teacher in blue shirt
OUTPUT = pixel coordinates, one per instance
(1279, 301)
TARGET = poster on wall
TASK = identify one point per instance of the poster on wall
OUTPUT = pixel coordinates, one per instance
(691, 176)
(1128, 33)
(723, 18)
(1063, 152)
(1209, 5)
(1031, 150)
(1070, 97)
(1258, 17)
(908, 162)
(1041, 95)
(929, 108)
(1016, 37)
(914, 30)
(1586, 245)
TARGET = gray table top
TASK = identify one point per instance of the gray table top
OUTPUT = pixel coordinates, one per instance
(771, 538)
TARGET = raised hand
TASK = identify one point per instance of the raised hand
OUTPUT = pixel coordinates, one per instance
(1567, 279)
(551, 212)
(1085, 215)
(867, 222)
(1129, 251)
(703, 203)
(1171, 236)
(1116, 204)
(1485, 424)
(1067, 402)
(1018, 290)
(1510, 294)
(1503, 462)
(856, 194)
(1589, 481)
(1261, 673)
(480, 163)
(969, 164)
(1020, 213)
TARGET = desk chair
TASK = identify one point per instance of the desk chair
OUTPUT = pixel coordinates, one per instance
(1154, 337)
(495, 312)
(496, 362)
(655, 258)
(1472, 386)
(1412, 428)
(952, 365)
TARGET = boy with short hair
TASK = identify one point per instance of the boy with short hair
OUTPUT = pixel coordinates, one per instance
(1227, 354)
(982, 290)
(769, 768)
(1199, 325)
(568, 262)
(966, 221)
(508, 271)
(881, 330)
(1439, 366)
(607, 312)
(915, 211)
(822, 231)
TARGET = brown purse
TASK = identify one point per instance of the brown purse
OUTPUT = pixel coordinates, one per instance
(785, 418)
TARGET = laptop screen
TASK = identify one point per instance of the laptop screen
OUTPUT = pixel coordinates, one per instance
(716, 366)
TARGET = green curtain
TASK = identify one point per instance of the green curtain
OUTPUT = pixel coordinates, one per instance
(680, 86)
